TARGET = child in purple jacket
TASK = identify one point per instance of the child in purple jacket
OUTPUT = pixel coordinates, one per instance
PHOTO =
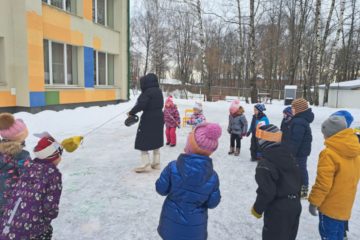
(172, 121)
(13, 157)
(35, 199)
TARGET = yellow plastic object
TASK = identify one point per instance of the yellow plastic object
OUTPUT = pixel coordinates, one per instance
(71, 144)
(187, 116)
(268, 136)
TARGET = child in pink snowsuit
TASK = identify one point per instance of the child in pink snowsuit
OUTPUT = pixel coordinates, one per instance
(172, 121)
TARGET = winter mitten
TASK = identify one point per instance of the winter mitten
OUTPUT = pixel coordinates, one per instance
(248, 134)
(313, 210)
(255, 214)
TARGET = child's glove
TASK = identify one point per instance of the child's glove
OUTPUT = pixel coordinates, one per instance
(229, 131)
(243, 134)
(248, 134)
(313, 210)
(255, 214)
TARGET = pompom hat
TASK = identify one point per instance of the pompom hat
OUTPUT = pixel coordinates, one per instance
(204, 140)
(169, 102)
(11, 128)
(234, 107)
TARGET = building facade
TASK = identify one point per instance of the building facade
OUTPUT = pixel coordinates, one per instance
(58, 54)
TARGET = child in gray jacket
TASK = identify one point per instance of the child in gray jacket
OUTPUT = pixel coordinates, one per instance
(237, 128)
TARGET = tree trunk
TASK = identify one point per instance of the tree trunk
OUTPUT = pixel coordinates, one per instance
(334, 50)
(317, 52)
(254, 90)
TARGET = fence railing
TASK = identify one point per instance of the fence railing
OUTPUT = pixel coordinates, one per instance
(224, 91)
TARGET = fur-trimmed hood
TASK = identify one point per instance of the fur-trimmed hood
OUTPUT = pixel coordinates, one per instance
(10, 148)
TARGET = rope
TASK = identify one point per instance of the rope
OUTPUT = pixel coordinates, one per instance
(103, 124)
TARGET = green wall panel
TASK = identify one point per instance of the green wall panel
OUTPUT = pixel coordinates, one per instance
(52, 98)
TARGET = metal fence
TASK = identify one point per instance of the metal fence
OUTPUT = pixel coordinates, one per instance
(224, 91)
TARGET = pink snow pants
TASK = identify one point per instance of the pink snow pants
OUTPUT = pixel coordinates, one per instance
(171, 136)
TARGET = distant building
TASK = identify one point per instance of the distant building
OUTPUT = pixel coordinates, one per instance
(342, 95)
(57, 54)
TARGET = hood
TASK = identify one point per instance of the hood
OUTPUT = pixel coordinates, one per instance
(195, 169)
(308, 115)
(280, 156)
(149, 81)
(10, 148)
(345, 143)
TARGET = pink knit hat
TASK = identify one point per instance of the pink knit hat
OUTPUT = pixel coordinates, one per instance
(204, 139)
(11, 128)
(169, 102)
(234, 107)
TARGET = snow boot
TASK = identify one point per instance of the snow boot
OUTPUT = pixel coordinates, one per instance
(304, 192)
(156, 160)
(145, 163)
(231, 152)
(172, 145)
(237, 152)
(168, 143)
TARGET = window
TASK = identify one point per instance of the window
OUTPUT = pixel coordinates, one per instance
(103, 69)
(60, 64)
(103, 12)
(66, 5)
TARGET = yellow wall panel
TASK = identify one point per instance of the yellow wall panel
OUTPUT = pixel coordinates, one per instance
(87, 5)
(35, 52)
(57, 27)
(77, 38)
(81, 96)
(7, 100)
(97, 43)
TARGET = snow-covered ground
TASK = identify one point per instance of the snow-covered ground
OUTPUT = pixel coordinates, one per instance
(104, 199)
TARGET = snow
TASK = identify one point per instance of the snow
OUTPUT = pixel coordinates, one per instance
(345, 85)
(104, 199)
(293, 87)
(170, 81)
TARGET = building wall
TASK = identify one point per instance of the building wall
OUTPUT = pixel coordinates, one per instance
(22, 31)
(346, 98)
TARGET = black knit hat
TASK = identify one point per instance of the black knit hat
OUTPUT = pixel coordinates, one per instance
(264, 144)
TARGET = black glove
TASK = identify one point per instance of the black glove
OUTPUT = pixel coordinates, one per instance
(248, 134)
(313, 210)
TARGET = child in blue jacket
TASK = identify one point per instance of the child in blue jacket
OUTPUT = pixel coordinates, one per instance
(191, 186)
(259, 118)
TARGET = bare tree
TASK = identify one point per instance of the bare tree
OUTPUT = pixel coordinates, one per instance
(254, 90)
(334, 49)
(316, 74)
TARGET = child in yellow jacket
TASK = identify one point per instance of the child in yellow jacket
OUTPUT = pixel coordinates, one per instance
(338, 174)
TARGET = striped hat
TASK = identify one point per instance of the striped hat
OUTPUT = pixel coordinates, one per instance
(300, 105)
(12, 129)
(268, 136)
(48, 149)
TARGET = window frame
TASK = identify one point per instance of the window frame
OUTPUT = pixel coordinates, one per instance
(96, 82)
(63, 6)
(50, 63)
(96, 20)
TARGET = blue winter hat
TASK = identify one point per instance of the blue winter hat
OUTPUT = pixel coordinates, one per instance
(260, 107)
(288, 111)
(347, 115)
